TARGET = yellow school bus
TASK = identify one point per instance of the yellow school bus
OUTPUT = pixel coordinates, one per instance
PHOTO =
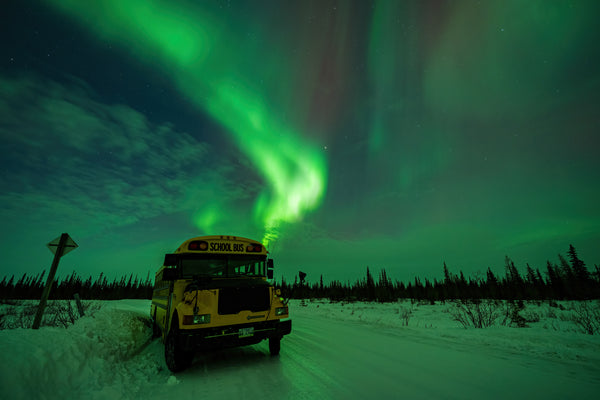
(213, 292)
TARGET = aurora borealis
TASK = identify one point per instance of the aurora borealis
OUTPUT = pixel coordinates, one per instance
(345, 134)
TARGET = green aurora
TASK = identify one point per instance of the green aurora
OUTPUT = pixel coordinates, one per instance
(413, 132)
(186, 43)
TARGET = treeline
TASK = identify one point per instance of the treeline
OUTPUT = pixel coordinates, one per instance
(566, 280)
(30, 287)
(569, 279)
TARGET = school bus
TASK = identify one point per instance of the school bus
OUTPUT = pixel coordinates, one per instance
(213, 292)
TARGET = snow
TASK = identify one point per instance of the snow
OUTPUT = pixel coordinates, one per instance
(89, 359)
(562, 339)
(335, 350)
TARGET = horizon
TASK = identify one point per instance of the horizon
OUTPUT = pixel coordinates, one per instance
(278, 278)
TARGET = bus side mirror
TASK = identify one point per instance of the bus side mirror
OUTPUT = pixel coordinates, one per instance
(169, 274)
(170, 260)
(270, 268)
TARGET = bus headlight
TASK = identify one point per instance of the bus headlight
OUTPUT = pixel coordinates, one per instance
(281, 311)
(196, 319)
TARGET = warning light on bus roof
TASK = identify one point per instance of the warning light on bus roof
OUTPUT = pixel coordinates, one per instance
(256, 248)
(199, 245)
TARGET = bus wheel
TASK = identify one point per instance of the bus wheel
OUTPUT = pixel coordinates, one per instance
(274, 345)
(176, 357)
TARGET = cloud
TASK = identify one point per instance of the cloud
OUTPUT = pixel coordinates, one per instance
(75, 160)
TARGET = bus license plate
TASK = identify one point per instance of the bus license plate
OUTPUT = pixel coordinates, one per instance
(246, 332)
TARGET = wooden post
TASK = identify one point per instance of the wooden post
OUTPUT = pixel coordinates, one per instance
(59, 251)
(79, 305)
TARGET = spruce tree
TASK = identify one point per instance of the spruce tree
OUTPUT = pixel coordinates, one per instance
(370, 286)
(492, 285)
(532, 283)
(583, 281)
(447, 276)
(579, 269)
(556, 284)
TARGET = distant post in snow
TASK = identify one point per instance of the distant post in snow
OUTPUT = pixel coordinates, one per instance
(79, 305)
(59, 246)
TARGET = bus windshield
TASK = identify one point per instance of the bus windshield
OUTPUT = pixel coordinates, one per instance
(223, 266)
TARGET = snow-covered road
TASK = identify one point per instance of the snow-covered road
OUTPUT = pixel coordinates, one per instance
(332, 359)
(335, 351)
(341, 359)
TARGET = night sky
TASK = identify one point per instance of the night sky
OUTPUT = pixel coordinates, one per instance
(344, 134)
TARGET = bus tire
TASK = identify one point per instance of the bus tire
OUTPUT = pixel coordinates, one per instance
(274, 345)
(177, 358)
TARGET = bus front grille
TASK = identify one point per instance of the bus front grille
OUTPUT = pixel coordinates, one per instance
(236, 299)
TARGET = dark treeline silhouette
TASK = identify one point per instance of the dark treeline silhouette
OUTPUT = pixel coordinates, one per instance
(568, 280)
(29, 287)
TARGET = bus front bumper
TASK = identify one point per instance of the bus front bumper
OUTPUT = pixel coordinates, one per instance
(233, 335)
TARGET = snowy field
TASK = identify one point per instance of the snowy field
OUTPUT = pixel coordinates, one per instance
(336, 350)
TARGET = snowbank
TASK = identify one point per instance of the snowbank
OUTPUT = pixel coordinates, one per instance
(86, 358)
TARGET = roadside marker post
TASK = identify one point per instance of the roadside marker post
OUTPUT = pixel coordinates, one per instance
(59, 246)
(79, 305)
